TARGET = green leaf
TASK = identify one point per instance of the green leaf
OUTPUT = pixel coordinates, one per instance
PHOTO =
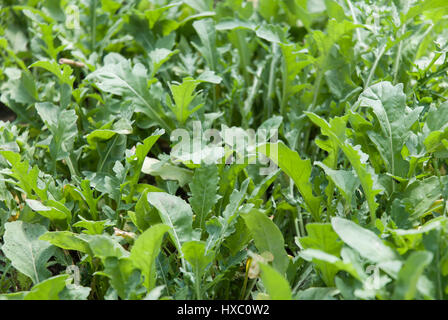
(239, 238)
(322, 237)
(166, 171)
(316, 293)
(271, 33)
(206, 31)
(27, 253)
(200, 5)
(344, 180)
(267, 237)
(362, 240)
(103, 246)
(74, 292)
(410, 273)
(92, 227)
(268, 8)
(435, 129)
(234, 24)
(145, 251)
(334, 10)
(332, 263)
(99, 135)
(123, 275)
(204, 192)
(27, 179)
(437, 118)
(199, 258)
(155, 14)
(395, 119)
(87, 194)
(62, 72)
(299, 10)
(183, 95)
(25, 90)
(62, 124)
(436, 142)
(66, 240)
(53, 210)
(141, 151)
(335, 130)
(14, 296)
(293, 63)
(158, 57)
(421, 7)
(144, 215)
(118, 77)
(110, 153)
(195, 253)
(276, 285)
(175, 213)
(419, 195)
(221, 227)
(407, 239)
(48, 289)
(53, 7)
(325, 42)
(297, 169)
(209, 76)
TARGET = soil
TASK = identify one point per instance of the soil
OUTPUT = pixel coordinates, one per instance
(6, 114)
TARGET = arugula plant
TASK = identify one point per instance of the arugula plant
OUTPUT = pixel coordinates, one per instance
(101, 196)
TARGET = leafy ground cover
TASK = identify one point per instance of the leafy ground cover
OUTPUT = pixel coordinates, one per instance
(101, 196)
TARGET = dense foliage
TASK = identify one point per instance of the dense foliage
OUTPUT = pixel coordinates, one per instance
(97, 201)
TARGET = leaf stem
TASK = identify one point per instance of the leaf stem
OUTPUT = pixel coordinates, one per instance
(439, 280)
(374, 66)
(243, 290)
(243, 58)
(316, 90)
(93, 5)
(198, 286)
(71, 167)
(252, 285)
(352, 11)
(397, 57)
(301, 225)
(271, 80)
(436, 57)
(435, 164)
